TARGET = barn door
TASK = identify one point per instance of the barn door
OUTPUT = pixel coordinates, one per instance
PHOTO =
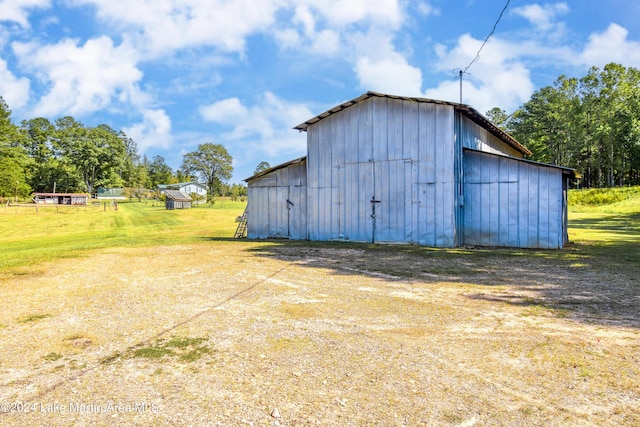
(378, 201)
(356, 202)
(296, 205)
(395, 184)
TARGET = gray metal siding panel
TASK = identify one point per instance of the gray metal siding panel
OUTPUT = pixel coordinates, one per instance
(478, 138)
(511, 203)
(298, 213)
(399, 151)
(269, 214)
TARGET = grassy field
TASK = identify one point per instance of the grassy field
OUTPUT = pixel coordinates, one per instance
(164, 308)
(28, 239)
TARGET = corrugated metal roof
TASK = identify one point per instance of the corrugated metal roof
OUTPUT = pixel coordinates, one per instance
(274, 168)
(62, 194)
(178, 196)
(180, 184)
(467, 110)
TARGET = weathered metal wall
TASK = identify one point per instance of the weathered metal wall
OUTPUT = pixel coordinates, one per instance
(511, 202)
(383, 170)
(478, 138)
(277, 204)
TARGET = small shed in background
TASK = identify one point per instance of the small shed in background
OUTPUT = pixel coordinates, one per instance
(74, 199)
(189, 188)
(176, 200)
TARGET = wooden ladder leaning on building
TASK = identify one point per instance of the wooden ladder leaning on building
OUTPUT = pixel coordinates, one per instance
(241, 231)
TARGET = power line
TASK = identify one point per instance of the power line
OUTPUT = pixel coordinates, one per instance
(477, 58)
(493, 30)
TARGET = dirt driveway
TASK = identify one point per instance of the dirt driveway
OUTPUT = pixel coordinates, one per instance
(246, 333)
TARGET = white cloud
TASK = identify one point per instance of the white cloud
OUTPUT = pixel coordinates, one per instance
(380, 67)
(14, 90)
(228, 110)
(163, 26)
(82, 79)
(17, 10)
(328, 27)
(264, 127)
(339, 13)
(426, 9)
(153, 132)
(612, 45)
(259, 132)
(305, 18)
(326, 43)
(391, 74)
(542, 16)
(506, 89)
(499, 79)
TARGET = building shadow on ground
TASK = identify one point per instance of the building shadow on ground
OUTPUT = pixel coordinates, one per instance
(590, 281)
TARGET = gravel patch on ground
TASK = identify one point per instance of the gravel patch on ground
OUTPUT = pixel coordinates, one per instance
(264, 334)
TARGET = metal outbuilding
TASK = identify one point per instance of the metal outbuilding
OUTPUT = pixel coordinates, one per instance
(75, 199)
(175, 199)
(278, 206)
(383, 168)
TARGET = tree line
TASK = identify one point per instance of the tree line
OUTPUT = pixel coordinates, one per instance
(65, 156)
(591, 124)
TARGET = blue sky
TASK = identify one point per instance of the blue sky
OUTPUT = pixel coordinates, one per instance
(173, 74)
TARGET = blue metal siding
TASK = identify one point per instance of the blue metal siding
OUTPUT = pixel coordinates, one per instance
(509, 202)
(399, 152)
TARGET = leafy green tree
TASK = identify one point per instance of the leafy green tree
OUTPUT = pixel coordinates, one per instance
(14, 162)
(159, 172)
(37, 142)
(130, 172)
(591, 124)
(97, 154)
(612, 102)
(39, 132)
(181, 176)
(498, 117)
(238, 190)
(12, 179)
(261, 167)
(212, 163)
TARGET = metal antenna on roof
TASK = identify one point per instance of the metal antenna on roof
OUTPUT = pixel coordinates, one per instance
(477, 57)
(459, 74)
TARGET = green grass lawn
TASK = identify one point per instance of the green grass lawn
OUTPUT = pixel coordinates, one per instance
(604, 227)
(28, 238)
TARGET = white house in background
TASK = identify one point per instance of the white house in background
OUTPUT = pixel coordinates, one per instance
(392, 169)
(187, 188)
(111, 194)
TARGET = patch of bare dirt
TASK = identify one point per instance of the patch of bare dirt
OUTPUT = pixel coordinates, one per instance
(258, 334)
